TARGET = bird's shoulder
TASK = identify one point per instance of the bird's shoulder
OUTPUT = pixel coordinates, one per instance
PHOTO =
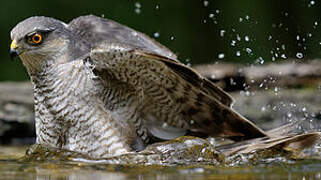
(96, 30)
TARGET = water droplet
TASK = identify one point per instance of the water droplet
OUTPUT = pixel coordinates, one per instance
(270, 37)
(312, 3)
(292, 104)
(240, 19)
(234, 42)
(172, 38)
(304, 109)
(221, 55)
(238, 37)
(137, 11)
(297, 37)
(217, 11)
(138, 5)
(245, 93)
(263, 108)
(259, 60)
(157, 7)
(247, 17)
(246, 38)
(222, 32)
(238, 53)
(211, 15)
(289, 114)
(280, 25)
(205, 3)
(299, 55)
(248, 50)
(164, 125)
(283, 56)
(232, 82)
(156, 34)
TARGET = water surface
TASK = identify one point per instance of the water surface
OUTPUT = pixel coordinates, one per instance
(274, 168)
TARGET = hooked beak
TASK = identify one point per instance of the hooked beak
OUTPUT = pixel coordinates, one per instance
(14, 52)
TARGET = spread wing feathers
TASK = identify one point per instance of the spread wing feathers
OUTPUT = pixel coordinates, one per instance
(171, 94)
(193, 77)
(96, 30)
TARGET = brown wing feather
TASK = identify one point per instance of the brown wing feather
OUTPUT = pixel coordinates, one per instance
(192, 77)
(170, 92)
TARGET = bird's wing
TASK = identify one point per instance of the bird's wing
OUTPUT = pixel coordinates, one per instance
(96, 30)
(169, 92)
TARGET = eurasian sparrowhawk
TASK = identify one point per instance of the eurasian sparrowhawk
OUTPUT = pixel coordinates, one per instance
(104, 89)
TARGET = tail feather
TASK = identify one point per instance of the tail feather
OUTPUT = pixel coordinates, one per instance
(287, 142)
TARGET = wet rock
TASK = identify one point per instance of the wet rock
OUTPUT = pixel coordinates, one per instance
(240, 77)
(16, 113)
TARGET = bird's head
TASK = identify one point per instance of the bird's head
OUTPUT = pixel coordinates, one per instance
(42, 41)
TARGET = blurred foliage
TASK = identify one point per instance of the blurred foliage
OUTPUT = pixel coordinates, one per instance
(199, 31)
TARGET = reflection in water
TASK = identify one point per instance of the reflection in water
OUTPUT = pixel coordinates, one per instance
(79, 171)
(67, 174)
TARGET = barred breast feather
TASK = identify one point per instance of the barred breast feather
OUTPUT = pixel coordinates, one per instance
(71, 115)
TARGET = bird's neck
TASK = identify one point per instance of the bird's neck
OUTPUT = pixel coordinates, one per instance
(55, 93)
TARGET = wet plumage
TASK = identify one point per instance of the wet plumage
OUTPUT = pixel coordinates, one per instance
(104, 89)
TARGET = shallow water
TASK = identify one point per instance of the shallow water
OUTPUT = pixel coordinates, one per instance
(277, 168)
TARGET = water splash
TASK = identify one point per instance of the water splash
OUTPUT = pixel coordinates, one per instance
(156, 35)
(221, 55)
(205, 3)
(138, 8)
(299, 55)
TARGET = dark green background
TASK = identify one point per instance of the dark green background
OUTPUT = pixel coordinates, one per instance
(187, 27)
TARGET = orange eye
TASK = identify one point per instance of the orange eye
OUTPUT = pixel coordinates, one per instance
(35, 39)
